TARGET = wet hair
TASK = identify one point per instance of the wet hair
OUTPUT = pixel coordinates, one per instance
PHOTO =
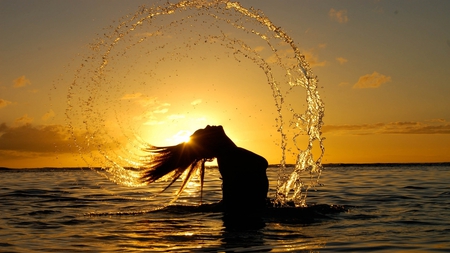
(173, 161)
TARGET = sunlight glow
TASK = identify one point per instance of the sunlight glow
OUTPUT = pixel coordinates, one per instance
(181, 136)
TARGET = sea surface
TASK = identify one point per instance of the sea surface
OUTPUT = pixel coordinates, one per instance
(388, 208)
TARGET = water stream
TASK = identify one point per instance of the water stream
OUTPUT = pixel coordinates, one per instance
(163, 57)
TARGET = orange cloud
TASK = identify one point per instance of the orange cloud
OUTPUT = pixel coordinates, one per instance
(405, 127)
(373, 80)
(27, 138)
(196, 102)
(4, 103)
(313, 59)
(288, 56)
(153, 121)
(48, 115)
(131, 96)
(21, 82)
(25, 119)
(161, 110)
(176, 116)
(339, 16)
(154, 106)
(341, 60)
(141, 99)
(28, 141)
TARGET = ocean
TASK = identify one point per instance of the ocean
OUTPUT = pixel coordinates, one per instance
(387, 208)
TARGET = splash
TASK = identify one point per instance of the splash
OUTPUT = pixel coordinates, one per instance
(151, 60)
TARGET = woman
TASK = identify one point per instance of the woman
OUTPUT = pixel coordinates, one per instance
(244, 180)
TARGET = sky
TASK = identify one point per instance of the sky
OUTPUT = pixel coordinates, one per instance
(382, 68)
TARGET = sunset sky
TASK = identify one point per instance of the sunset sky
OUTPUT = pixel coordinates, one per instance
(382, 66)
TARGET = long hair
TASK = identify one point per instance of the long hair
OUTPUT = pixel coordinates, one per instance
(173, 161)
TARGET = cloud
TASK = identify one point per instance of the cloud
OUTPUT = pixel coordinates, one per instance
(161, 110)
(153, 122)
(287, 57)
(50, 114)
(21, 82)
(438, 120)
(25, 119)
(140, 99)
(341, 60)
(4, 103)
(33, 91)
(196, 102)
(404, 127)
(151, 117)
(201, 119)
(131, 96)
(40, 139)
(312, 58)
(373, 80)
(176, 116)
(339, 16)
(28, 141)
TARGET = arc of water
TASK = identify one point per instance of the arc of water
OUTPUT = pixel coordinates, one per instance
(310, 122)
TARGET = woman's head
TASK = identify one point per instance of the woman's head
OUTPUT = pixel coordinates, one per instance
(209, 141)
(204, 145)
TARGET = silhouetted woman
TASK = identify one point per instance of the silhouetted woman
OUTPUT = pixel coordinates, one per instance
(244, 180)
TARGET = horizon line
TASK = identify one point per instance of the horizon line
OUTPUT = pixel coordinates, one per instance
(389, 164)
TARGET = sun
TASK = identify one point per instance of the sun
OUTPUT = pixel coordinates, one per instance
(181, 136)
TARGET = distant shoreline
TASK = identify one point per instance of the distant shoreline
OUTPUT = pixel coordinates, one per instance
(385, 164)
(328, 165)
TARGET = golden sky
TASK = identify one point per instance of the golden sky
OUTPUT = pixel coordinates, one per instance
(382, 69)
